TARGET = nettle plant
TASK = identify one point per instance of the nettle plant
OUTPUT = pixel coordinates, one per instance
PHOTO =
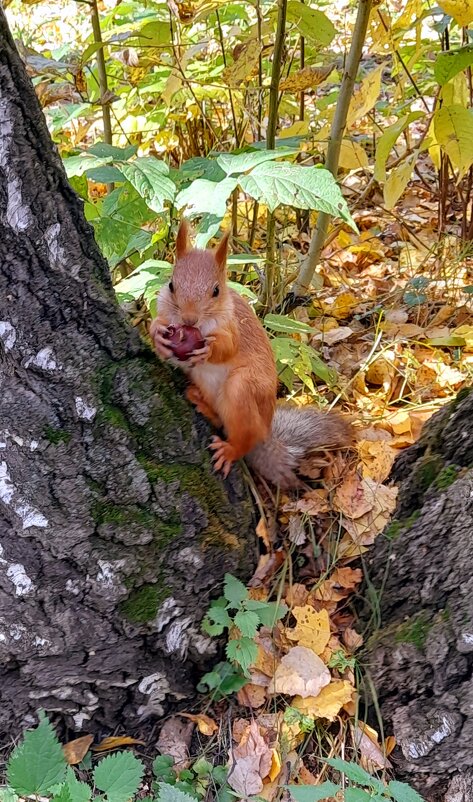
(38, 768)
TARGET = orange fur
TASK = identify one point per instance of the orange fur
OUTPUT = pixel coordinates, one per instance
(234, 380)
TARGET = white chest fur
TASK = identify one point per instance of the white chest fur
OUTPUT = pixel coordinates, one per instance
(209, 378)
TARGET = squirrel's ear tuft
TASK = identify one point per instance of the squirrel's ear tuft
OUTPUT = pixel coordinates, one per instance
(183, 245)
(221, 250)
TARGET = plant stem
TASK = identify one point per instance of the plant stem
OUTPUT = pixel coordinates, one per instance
(267, 289)
(306, 273)
(102, 72)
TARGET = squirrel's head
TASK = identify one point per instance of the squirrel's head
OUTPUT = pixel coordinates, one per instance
(197, 292)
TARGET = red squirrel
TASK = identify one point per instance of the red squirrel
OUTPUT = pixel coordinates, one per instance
(233, 375)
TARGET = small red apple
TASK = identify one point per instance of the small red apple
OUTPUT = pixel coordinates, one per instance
(184, 340)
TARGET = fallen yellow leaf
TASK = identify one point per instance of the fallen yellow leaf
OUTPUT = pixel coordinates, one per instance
(312, 628)
(328, 703)
(205, 724)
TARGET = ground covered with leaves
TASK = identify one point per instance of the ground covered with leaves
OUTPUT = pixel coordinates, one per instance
(385, 335)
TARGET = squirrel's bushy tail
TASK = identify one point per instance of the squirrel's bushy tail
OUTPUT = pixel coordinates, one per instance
(297, 432)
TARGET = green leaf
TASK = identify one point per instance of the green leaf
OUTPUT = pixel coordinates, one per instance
(105, 175)
(243, 289)
(169, 793)
(119, 776)
(150, 178)
(134, 285)
(402, 792)
(468, 289)
(243, 651)
(102, 149)
(311, 23)
(78, 791)
(267, 612)
(7, 795)
(78, 165)
(237, 163)
(354, 772)
(357, 795)
(38, 763)
(216, 620)
(62, 795)
(451, 62)
(453, 127)
(387, 141)
(313, 793)
(276, 183)
(453, 341)
(247, 622)
(206, 197)
(234, 591)
(287, 325)
(317, 365)
(236, 259)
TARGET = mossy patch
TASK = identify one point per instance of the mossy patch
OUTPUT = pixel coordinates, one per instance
(56, 436)
(164, 532)
(414, 630)
(394, 529)
(427, 471)
(446, 477)
(143, 603)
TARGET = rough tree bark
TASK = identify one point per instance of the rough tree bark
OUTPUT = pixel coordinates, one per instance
(114, 531)
(421, 652)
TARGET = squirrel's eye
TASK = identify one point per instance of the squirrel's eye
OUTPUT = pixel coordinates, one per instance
(216, 291)
(171, 286)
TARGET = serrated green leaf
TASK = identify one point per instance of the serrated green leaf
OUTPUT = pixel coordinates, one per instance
(238, 163)
(277, 183)
(169, 793)
(268, 612)
(313, 793)
(402, 792)
(247, 622)
(243, 651)
(149, 176)
(351, 770)
(38, 763)
(451, 62)
(216, 620)
(311, 23)
(234, 591)
(287, 325)
(119, 776)
(8, 795)
(63, 795)
(78, 791)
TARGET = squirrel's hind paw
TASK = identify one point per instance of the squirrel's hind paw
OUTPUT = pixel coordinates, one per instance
(224, 455)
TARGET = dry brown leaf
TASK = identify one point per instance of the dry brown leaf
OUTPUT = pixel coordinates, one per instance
(377, 459)
(296, 595)
(351, 498)
(372, 754)
(301, 672)
(314, 502)
(75, 751)
(246, 61)
(115, 742)
(340, 307)
(329, 701)
(252, 696)
(365, 528)
(296, 530)
(334, 335)
(263, 532)
(174, 740)
(403, 331)
(205, 724)
(382, 371)
(268, 565)
(250, 762)
(352, 639)
(312, 628)
(347, 577)
(306, 78)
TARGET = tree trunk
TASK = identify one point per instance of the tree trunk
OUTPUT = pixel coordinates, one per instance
(421, 652)
(114, 530)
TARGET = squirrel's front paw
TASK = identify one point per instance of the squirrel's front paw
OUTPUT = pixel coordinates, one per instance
(224, 455)
(157, 333)
(201, 354)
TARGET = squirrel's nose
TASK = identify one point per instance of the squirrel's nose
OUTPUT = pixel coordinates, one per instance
(190, 320)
